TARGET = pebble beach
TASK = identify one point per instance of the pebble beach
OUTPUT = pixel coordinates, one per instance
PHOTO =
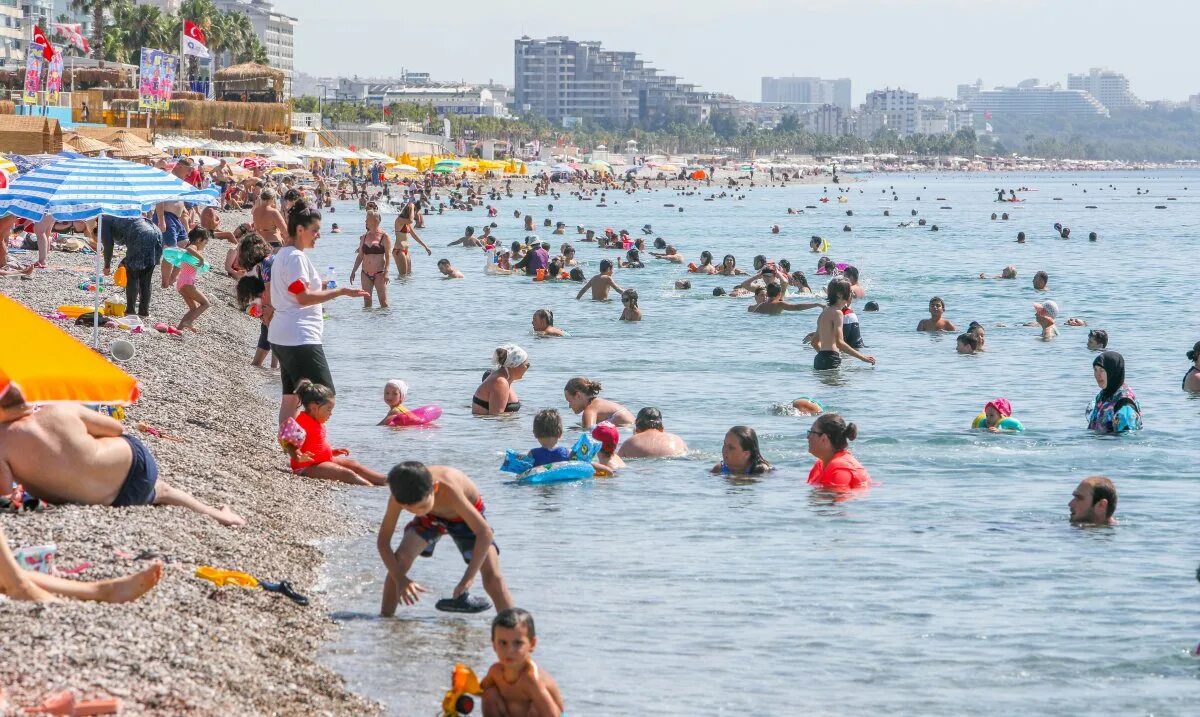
(187, 647)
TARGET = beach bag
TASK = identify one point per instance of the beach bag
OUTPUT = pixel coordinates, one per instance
(121, 277)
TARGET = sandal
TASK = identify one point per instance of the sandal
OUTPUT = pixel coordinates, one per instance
(284, 588)
(463, 603)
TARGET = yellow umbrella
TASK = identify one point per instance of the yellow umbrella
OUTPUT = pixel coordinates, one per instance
(50, 365)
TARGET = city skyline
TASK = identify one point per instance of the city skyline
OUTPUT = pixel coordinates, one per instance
(924, 46)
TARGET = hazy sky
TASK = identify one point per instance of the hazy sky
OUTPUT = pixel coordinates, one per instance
(927, 46)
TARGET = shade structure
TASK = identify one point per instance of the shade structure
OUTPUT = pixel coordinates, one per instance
(253, 163)
(91, 187)
(51, 365)
(86, 187)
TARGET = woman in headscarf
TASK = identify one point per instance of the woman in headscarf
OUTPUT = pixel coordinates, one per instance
(496, 395)
(1115, 408)
(1191, 379)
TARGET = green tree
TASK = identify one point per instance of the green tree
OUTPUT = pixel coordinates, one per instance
(99, 37)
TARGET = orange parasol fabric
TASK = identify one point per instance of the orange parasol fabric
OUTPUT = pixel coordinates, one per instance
(51, 365)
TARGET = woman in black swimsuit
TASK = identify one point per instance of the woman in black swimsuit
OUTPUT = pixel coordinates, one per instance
(496, 395)
(1191, 379)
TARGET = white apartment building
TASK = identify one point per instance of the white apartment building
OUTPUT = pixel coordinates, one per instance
(450, 100)
(865, 124)
(828, 119)
(275, 30)
(900, 107)
(812, 92)
(1031, 98)
(13, 35)
(1110, 88)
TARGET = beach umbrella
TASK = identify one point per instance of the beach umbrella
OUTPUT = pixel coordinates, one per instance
(452, 163)
(403, 168)
(92, 188)
(27, 162)
(253, 163)
(51, 365)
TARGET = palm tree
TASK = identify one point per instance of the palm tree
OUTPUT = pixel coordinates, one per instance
(145, 26)
(97, 9)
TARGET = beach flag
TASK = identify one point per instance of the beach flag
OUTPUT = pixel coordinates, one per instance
(74, 35)
(193, 42)
(39, 38)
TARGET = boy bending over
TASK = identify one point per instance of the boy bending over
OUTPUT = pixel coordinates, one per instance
(444, 501)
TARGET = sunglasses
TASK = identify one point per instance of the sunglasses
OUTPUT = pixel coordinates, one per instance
(814, 433)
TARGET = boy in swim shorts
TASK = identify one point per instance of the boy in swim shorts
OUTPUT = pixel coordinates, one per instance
(444, 501)
(515, 685)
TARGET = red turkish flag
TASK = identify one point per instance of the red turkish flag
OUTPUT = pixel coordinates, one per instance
(193, 31)
(39, 38)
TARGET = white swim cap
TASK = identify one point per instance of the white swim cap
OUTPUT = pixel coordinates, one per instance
(400, 386)
(514, 356)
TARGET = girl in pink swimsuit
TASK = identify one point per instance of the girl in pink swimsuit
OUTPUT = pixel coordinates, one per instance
(185, 281)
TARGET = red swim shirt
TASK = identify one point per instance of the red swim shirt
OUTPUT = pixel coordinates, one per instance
(843, 472)
(314, 442)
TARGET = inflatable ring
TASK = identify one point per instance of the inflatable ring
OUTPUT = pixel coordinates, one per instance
(419, 416)
(1006, 424)
(562, 472)
(178, 257)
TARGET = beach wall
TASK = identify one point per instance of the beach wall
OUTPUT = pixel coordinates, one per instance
(186, 647)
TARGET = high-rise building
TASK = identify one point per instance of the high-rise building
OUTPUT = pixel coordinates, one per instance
(810, 91)
(900, 107)
(1110, 88)
(274, 29)
(966, 93)
(12, 36)
(1031, 98)
(567, 80)
(829, 119)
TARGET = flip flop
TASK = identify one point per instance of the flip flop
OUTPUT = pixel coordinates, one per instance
(221, 578)
(463, 603)
(284, 588)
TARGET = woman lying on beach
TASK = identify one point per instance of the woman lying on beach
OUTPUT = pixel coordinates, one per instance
(18, 584)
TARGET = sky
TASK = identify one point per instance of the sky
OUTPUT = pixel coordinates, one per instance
(926, 46)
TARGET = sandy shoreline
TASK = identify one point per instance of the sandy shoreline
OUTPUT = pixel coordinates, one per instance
(187, 646)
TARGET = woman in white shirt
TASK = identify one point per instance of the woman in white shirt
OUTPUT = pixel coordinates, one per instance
(296, 297)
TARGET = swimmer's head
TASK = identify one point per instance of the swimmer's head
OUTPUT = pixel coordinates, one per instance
(838, 290)
(1008, 272)
(547, 425)
(629, 297)
(1020, 237)
(394, 392)
(581, 391)
(513, 636)
(759, 262)
(851, 273)
(411, 486)
(785, 266)
(444, 266)
(606, 266)
(800, 280)
(706, 258)
(470, 231)
(543, 319)
(1193, 355)
(1098, 341)
(1040, 280)
(871, 306)
(729, 261)
(649, 418)
(718, 291)
(660, 243)
(937, 307)
(830, 434)
(975, 328)
(608, 436)
(577, 274)
(683, 284)
(967, 343)
(1093, 502)
(995, 410)
(773, 290)
(740, 452)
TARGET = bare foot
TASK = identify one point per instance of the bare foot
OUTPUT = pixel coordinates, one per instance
(130, 587)
(26, 591)
(226, 516)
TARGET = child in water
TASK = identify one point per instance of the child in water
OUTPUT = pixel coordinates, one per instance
(548, 430)
(740, 454)
(515, 685)
(994, 412)
(185, 280)
(315, 458)
(936, 322)
(607, 456)
(601, 283)
(444, 501)
(394, 393)
(631, 312)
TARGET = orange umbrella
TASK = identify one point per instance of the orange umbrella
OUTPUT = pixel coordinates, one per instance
(51, 365)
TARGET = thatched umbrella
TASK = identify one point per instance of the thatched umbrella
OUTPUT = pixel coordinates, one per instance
(248, 77)
(85, 145)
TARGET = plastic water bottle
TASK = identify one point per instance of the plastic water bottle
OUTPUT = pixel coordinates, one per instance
(330, 281)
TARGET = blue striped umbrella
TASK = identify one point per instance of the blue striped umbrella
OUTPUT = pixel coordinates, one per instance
(90, 188)
(87, 187)
(28, 162)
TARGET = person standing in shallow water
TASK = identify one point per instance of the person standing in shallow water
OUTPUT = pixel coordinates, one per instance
(1115, 408)
(829, 340)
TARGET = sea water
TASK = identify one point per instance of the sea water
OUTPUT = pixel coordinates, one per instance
(955, 586)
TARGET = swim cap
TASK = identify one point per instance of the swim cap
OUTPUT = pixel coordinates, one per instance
(1050, 308)
(1002, 406)
(400, 387)
(514, 356)
(608, 436)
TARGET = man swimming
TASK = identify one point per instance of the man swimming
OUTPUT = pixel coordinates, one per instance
(650, 440)
(1094, 502)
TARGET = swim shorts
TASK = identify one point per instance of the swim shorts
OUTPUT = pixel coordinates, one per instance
(826, 360)
(176, 233)
(138, 488)
(431, 528)
(299, 362)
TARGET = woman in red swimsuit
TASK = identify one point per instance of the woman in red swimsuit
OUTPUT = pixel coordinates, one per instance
(836, 469)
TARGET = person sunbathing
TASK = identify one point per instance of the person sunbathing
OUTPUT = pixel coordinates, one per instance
(18, 584)
(65, 453)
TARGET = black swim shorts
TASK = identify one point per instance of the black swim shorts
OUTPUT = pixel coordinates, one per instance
(826, 360)
(300, 362)
(138, 488)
